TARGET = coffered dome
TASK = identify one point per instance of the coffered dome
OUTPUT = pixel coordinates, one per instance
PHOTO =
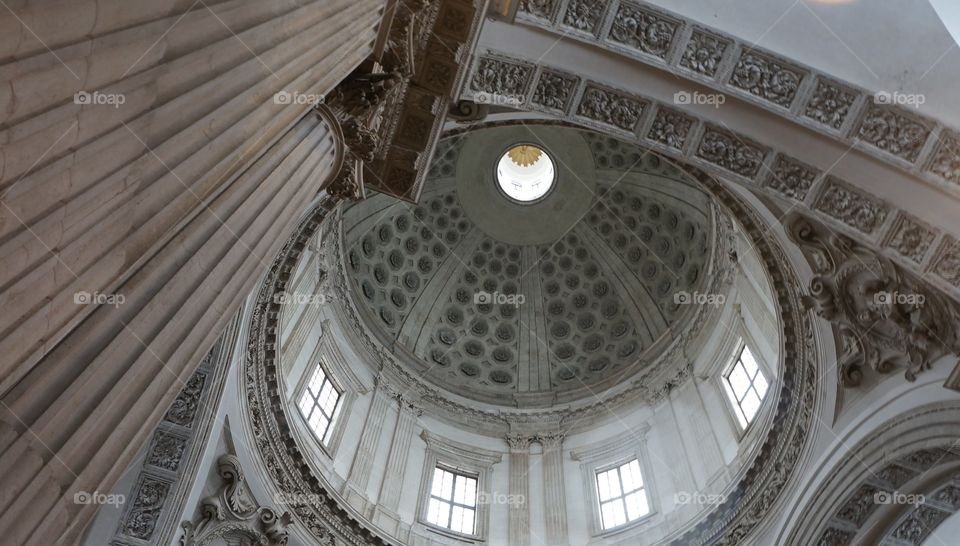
(532, 303)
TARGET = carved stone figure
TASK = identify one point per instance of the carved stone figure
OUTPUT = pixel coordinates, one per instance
(886, 318)
(232, 516)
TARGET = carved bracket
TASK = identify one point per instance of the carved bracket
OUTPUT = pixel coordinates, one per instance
(885, 318)
(232, 516)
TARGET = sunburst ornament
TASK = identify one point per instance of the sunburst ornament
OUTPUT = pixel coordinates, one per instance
(524, 156)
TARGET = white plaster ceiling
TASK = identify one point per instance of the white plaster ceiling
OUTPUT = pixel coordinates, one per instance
(597, 264)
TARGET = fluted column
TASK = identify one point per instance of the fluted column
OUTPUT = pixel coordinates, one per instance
(165, 208)
(554, 492)
(359, 477)
(519, 490)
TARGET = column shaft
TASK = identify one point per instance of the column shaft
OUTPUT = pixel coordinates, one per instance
(392, 484)
(519, 492)
(554, 492)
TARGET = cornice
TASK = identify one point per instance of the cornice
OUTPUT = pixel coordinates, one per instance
(899, 136)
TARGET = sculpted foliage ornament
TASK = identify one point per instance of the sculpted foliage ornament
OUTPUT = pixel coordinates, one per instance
(730, 152)
(946, 162)
(233, 517)
(501, 78)
(671, 128)
(851, 207)
(766, 78)
(538, 8)
(885, 317)
(356, 105)
(791, 178)
(553, 91)
(704, 53)
(583, 14)
(610, 107)
(643, 30)
(893, 132)
(830, 104)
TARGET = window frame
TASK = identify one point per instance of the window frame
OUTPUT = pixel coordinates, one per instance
(317, 406)
(456, 472)
(338, 424)
(734, 409)
(622, 497)
(461, 459)
(601, 457)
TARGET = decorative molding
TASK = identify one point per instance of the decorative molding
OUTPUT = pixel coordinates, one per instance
(830, 104)
(460, 453)
(643, 29)
(791, 178)
(232, 516)
(610, 107)
(767, 77)
(911, 238)
(173, 454)
(886, 318)
(391, 111)
(704, 52)
(918, 444)
(718, 150)
(852, 207)
(839, 110)
(731, 152)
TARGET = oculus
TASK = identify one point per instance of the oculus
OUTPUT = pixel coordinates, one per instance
(525, 173)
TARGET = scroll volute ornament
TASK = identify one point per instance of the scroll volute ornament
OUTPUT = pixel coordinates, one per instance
(356, 107)
(884, 317)
(232, 516)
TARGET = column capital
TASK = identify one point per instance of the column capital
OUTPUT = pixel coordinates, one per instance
(519, 442)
